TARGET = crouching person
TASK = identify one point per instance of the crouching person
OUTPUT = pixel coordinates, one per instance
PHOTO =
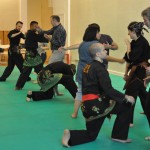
(47, 81)
(99, 100)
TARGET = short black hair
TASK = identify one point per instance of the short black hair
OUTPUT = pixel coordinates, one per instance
(19, 22)
(33, 22)
(55, 17)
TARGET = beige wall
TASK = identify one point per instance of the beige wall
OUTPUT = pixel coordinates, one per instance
(9, 13)
(39, 10)
(61, 8)
(112, 15)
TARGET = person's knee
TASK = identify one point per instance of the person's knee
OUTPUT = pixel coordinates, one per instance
(93, 136)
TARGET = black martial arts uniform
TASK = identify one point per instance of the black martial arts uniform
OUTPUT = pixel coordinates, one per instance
(66, 80)
(138, 58)
(32, 58)
(14, 55)
(97, 93)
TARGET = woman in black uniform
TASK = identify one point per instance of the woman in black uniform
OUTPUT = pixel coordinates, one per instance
(137, 56)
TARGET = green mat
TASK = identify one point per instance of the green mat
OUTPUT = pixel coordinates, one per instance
(39, 125)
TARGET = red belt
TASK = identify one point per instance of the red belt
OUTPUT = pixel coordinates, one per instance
(89, 97)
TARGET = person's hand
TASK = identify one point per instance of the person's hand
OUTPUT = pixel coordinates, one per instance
(19, 32)
(38, 29)
(147, 70)
(146, 81)
(60, 49)
(48, 37)
(126, 77)
(130, 99)
(121, 61)
(107, 45)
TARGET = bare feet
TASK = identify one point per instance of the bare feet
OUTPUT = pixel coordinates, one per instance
(56, 91)
(35, 81)
(147, 138)
(74, 115)
(131, 125)
(122, 141)
(28, 98)
(59, 94)
(65, 138)
(142, 113)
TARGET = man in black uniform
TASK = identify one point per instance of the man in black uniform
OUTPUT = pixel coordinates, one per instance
(32, 58)
(14, 55)
(52, 74)
(99, 99)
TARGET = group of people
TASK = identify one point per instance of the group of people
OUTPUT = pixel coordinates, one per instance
(100, 99)
(94, 93)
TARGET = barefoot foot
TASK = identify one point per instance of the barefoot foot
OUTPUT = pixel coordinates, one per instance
(65, 138)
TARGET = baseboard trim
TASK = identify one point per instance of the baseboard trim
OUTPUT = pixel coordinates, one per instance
(116, 73)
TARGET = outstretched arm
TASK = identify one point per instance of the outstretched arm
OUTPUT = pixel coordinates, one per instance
(72, 47)
(114, 59)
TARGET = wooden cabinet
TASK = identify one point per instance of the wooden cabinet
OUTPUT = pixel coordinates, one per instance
(4, 41)
(3, 37)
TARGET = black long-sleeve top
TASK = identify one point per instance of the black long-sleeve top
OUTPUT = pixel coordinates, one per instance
(58, 37)
(32, 39)
(14, 41)
(96, 80)
(59, 67)
(140, 51)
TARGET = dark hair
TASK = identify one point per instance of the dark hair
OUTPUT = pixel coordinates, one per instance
(33, 22)
(90, 34)
(19, 22)
(137, 27)
(55, 17)
(95, 25)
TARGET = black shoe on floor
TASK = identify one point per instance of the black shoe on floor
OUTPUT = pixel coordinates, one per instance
(2, 79)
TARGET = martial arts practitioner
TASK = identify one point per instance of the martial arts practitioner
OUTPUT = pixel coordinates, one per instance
(137, 56)
(100, 99)
(51, 75)
(146, 17)
(90, 36)
(58, 39)
(32, 58)
(14, 55)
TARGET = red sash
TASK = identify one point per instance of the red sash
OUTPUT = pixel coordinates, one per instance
(88, 97)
